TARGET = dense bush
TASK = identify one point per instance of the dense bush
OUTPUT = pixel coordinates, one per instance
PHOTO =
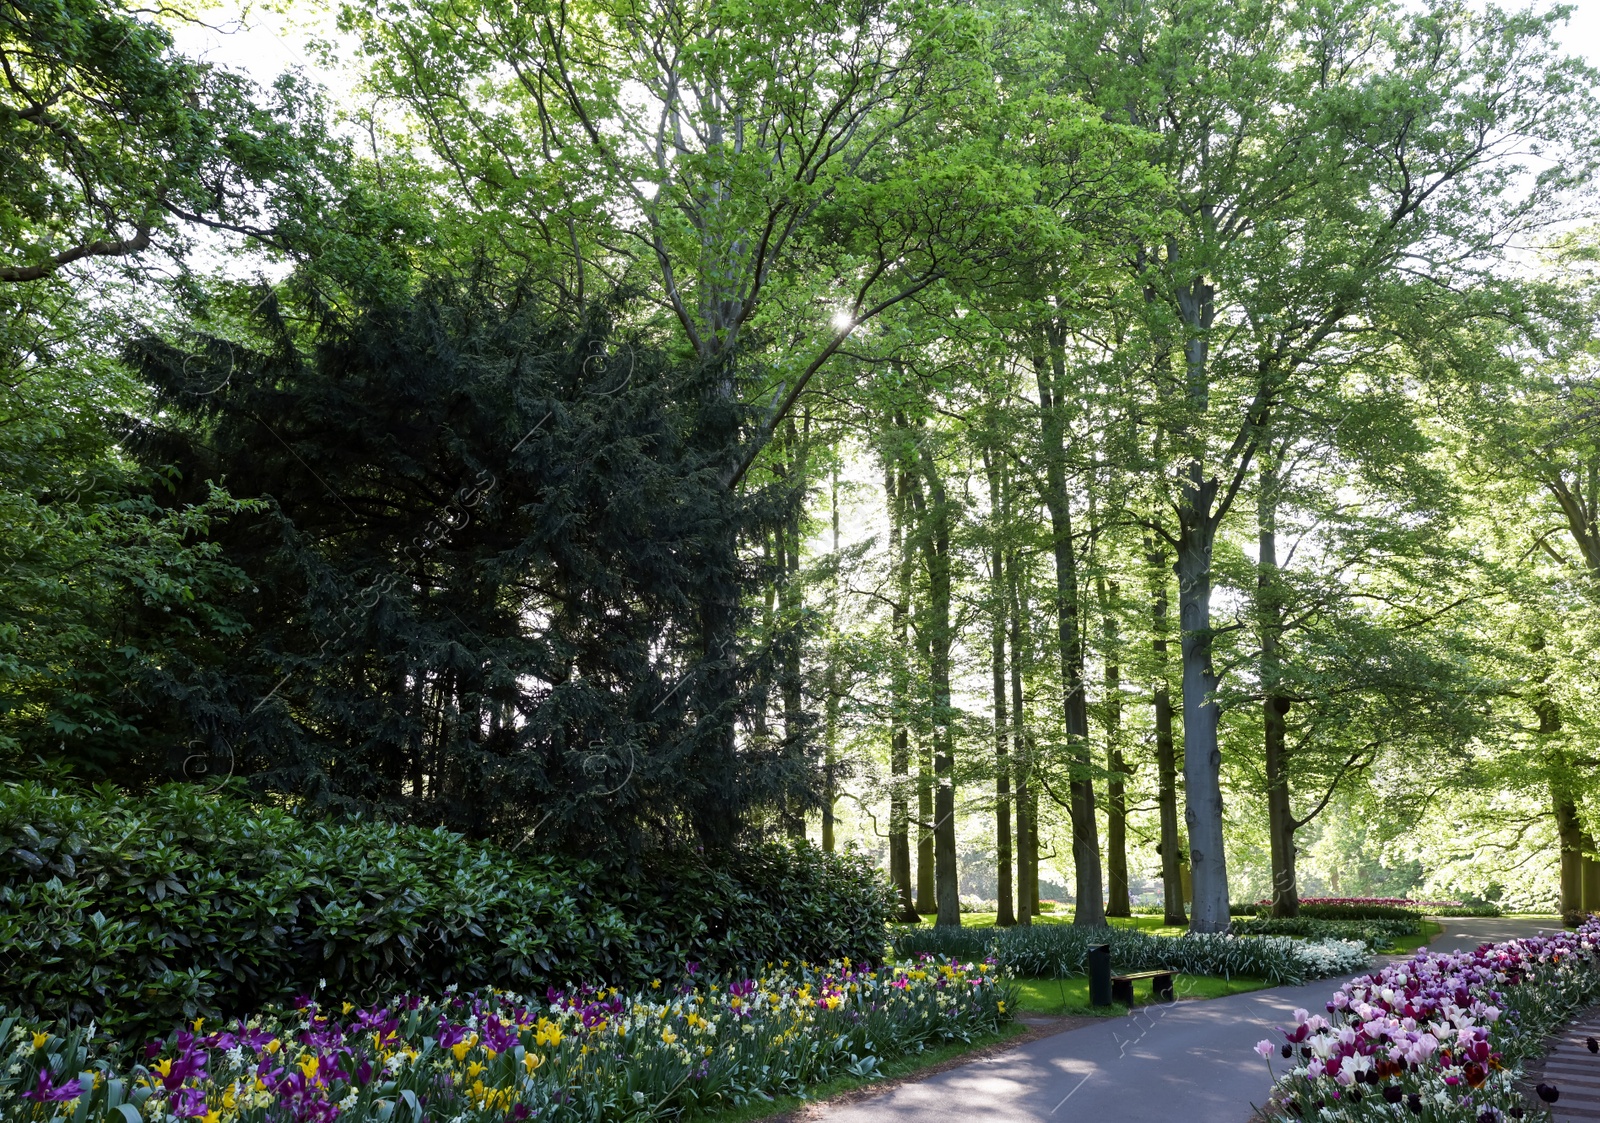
(141, 912)
(1060, 951)
(773, 903)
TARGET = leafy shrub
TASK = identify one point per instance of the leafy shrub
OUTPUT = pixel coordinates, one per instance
(1060, 951)
(143, 912)
(761, 904)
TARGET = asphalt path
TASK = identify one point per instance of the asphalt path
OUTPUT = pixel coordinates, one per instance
(1183, 1062)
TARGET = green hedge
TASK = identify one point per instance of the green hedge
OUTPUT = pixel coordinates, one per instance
(140, 912)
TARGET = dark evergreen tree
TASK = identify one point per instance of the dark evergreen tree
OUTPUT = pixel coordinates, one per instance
(480, 574)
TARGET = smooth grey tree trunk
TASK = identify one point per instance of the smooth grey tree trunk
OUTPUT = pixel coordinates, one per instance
(1281, 823)
(830, 728)
(936, 552)
(1022, 755)
(1088, 885)
(899, 740)
(998, 601)
(1202, 759)
(1117, 902)
(1166, 752)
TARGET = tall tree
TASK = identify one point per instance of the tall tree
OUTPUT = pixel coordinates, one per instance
(1332, 169)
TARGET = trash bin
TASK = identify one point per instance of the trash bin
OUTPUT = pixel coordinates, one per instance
(1100, 975)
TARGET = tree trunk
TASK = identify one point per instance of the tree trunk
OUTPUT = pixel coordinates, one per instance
(830, 731)
(1004, 916)
(1117, 902)
(1171, 847)
(793, 734)
(1022, 757)
(1051, 374)
(1569, 833)
(1202, 759)
(926, 900)
(936, 555)
(1281, 824)
(899, 751)
(926, 865)
(1197, 531)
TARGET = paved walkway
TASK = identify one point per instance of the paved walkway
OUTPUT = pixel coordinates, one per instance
(1189, 1061)
(1572, 1068)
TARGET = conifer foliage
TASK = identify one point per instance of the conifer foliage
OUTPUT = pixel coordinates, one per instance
(478, 584)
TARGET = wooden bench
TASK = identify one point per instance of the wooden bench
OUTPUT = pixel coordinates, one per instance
(1160, 985)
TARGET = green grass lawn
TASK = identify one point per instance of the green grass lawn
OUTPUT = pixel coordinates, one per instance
(1408, 944)
(1071, 996)
(905, 1066)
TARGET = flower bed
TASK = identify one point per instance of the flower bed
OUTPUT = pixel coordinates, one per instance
(1061, 951)
(593, 1055)
(1376, 908)
(1440, 1037)
(1374, 933)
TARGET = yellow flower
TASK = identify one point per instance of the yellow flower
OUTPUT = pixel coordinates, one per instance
(474, 1069)
(198, 1022)
(229, 1099)
(734, 1002)
(40, 1040)
(164, 1068)
(461, 1048)
(273, 1046)
(1002, 1006)
(347, 1007)
(210, 1117)
(547, 1033)
(668, 1036)
(531, 1061)
(655, 984)
(308, 1065)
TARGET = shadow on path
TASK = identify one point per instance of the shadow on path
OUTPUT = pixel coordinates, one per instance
(1190, 1061)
